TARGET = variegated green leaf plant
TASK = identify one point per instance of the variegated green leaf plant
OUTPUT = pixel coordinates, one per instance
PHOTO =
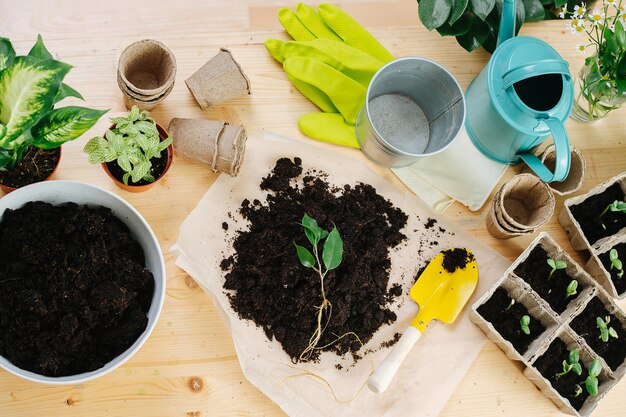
(30, 86)
(133, 143)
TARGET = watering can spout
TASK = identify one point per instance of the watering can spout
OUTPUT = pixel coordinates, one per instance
(507, 21)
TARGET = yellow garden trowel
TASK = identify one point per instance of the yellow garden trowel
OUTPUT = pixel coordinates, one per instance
(441, 292)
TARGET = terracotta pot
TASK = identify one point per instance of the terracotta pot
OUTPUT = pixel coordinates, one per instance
(8, 189)
(141, 188)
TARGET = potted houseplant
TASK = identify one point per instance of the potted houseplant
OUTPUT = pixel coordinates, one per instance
(135, 152)
(32, 130)
(602, 79)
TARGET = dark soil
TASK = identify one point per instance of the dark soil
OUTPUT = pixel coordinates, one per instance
(270, 286)
(613, 351)
(620, 283)
(158, 167)
(587, 214)
(535, 271)
(74, 291)
(507, 322)
(551, 363)
(37, 165)
(456, 258)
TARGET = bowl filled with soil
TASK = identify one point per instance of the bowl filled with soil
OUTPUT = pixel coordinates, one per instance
(592, 219)
(82, 282)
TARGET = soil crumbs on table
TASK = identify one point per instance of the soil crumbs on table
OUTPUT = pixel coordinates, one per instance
(618, 282)
(585, 324)
(551, 363)
(74, 291)
(536, 272)
(587, 213)
(271, 287)
(506, 320)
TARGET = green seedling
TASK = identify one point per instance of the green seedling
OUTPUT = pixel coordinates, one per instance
(616, 263)
(554, 265)
(331, 257)
(571, 289)
(615, 206)
(524, 324)
(511, 304)
(578, 390)
(605, 330)
(571, 364)
(591, 383)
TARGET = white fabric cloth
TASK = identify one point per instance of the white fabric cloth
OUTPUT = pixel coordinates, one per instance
(436, 364)
(460, 173)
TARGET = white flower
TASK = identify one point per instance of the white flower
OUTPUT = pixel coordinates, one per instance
(581, 48)
(596, 17)
(610, 2)
(620, 8)
(579, 11)
(562, 14)
(576, 26)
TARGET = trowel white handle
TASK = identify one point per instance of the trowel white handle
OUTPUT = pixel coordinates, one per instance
(382, 376)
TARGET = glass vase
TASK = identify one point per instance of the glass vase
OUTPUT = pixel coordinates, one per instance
(595, 96)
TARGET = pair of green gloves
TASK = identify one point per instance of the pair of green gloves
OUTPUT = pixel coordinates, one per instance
(331, 61)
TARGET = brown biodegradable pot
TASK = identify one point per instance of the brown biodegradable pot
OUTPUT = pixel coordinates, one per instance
(147, 67)
(7, 189)
(576, 175)
(526, 202)
(141, 188)
(538, 358)
(586, 205)
(218, 80)
(215, 143)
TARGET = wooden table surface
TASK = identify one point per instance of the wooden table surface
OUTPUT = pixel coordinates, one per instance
(188, 367)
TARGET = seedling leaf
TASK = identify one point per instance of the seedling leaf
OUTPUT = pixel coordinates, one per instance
(577, 369)
(332, 254)
(595, 368)
(306, 258)
(571, 288)
(524, 324)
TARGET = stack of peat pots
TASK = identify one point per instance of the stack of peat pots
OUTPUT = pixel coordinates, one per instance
(146, 73)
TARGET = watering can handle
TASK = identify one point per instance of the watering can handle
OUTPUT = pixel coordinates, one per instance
(545, 66)
(562, 154)
(507, 21)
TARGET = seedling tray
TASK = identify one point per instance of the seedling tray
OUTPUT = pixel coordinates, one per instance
(555, 325)
(598, 247)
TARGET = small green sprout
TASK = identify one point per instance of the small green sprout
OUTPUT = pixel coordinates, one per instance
(511, 304)
(615, 206)
(571, 288)
(605, 330)
(591, 383)
(571, 364)
(616, 263)
(577, 391)
(555, 265)
(524, 324)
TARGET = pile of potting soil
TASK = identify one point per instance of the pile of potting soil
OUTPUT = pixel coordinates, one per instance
(271, 287)
(74, 292)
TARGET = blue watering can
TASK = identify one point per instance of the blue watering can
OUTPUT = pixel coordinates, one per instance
(524, 94)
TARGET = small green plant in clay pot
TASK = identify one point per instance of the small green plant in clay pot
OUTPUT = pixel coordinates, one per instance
(135, 151)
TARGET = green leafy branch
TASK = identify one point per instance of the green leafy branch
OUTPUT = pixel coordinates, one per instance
(616, 263)
(555, 265)
(525, 324)
(133, 143)
(30, 87)
(475, 23)
(606, 331)
(331, 257)
(571, 364)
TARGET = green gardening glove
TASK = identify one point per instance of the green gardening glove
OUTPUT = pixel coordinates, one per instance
(331, 61)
